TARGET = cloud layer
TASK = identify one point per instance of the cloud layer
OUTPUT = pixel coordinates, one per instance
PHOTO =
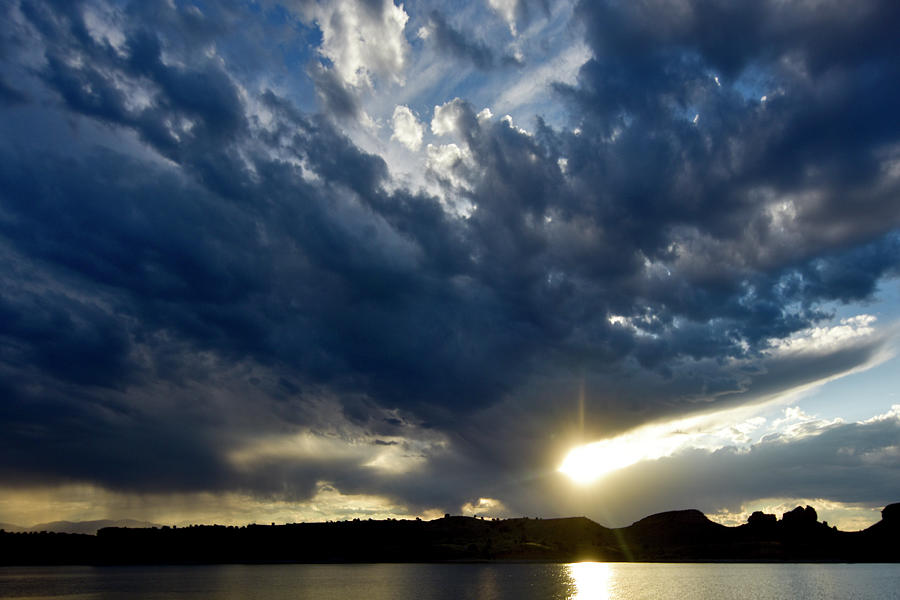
(215, 279)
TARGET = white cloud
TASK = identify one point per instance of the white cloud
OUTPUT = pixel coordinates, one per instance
(104, 25)
(446, 117)
(822, 339)
(361, 40)
(507, 11)
(797, 424)
(892, 414)
(450, 167)
(635, 324)
(484, 507)
(407, 128)
(447, 162)
(509, 121)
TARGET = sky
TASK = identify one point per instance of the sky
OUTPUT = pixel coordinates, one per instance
(314, 260)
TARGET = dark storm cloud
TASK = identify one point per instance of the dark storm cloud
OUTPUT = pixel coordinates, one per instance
(88, 346)
(320, 282)
(822, 128)
(237, 255)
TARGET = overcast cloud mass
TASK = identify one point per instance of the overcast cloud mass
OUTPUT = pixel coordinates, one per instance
(324, 259)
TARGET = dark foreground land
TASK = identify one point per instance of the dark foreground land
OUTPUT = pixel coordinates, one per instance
(672, 536)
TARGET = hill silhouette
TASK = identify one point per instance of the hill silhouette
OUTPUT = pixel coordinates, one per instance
(686, 535)
(89, 527)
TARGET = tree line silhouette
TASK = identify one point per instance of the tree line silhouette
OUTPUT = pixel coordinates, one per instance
(671, 536)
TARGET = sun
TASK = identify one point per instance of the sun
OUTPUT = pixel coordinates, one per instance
(588, 463)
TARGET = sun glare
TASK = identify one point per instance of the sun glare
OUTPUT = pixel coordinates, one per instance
(591, 580)
(590, 462)
(585, 464)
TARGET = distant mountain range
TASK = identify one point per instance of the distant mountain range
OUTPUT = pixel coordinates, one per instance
(85, 527)
(685, 535)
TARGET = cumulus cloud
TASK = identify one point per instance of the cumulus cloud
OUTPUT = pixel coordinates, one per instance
(408, 130)
(454, 118)
(449, 162)
(362, 39)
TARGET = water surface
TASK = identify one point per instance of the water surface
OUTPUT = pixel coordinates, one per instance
(580, 581)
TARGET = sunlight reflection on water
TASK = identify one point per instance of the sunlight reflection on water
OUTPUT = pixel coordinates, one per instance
(590, 580)
(477, 581)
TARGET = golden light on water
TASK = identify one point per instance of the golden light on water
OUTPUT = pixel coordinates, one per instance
(591, 581)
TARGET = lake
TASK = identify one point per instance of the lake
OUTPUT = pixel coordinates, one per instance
(579, 581)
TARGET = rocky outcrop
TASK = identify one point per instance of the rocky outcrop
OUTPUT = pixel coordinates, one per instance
(800, 517)
(760, 519)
